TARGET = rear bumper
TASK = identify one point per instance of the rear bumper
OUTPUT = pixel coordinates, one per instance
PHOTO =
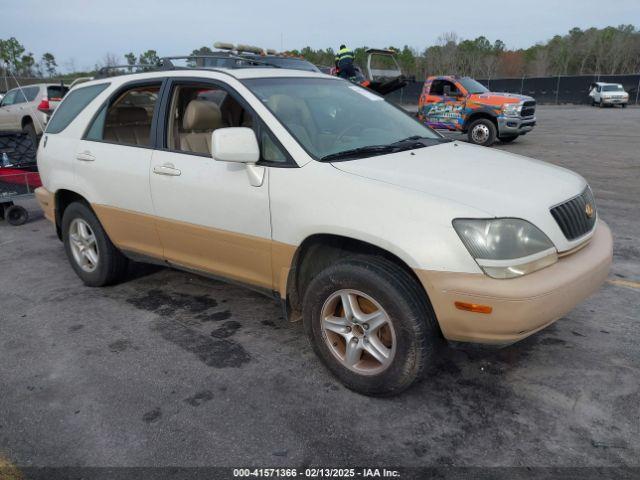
(508, 126)
(47, 203)
(520, 306)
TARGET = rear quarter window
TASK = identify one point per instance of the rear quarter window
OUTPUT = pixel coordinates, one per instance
(72, 105)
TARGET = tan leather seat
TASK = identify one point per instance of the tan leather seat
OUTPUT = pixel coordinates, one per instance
(295, 115)
(128, 125)
(201, 118)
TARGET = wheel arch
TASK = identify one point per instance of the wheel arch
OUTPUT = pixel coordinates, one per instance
(62, 199)
(26, 120)
(319, 250)
(477, 115)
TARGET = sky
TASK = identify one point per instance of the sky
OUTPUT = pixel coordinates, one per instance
(80, 32)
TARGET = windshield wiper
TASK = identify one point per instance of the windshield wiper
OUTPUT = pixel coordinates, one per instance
(409, 143)
(360, 152)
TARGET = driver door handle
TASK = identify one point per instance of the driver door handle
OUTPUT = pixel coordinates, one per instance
(166, 169)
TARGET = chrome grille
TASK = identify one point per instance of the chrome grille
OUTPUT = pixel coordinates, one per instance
(573, 216)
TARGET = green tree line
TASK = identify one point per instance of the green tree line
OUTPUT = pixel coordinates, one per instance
(608, 50)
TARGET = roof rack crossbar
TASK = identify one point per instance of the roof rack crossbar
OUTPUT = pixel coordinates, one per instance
(103, 71)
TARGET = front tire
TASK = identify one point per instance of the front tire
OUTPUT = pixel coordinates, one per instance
(92, 255)
(371, 325)
(482, 132)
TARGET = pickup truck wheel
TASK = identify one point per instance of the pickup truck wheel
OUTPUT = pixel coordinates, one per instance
(482, 132)
(508, 139)
(371, 325)
(92, 255)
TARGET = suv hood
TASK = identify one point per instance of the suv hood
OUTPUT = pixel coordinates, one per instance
(494, 98)
(499, 183)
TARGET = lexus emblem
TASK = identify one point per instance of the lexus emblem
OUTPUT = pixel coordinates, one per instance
(588, 210)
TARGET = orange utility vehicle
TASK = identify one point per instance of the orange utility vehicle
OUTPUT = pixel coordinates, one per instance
(464, 105)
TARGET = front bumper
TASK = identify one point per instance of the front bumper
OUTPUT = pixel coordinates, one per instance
(520, 306)
(509, 126)
(614, 101)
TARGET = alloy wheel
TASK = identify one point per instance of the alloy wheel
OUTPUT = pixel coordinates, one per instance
(358, 332)
(84, 246)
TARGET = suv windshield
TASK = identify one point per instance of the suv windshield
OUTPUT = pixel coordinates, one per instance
(331, 118)
(473, 86)
(612, 88)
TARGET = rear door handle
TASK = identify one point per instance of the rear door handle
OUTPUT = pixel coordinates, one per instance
(85, 156)
(166, 169)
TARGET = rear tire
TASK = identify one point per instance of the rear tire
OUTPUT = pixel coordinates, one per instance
(16, 215)
(482, 132)
(92, 255)
(30, 130)
(401, 331)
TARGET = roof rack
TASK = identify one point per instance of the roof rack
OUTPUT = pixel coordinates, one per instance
(104, 71)
(166, 63)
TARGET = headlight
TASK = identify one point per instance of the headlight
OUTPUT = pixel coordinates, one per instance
(506, 247)
(512, 109)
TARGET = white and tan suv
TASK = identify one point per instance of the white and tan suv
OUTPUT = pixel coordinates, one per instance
(383, 236)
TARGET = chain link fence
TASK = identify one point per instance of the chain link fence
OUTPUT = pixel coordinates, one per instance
(557, 90)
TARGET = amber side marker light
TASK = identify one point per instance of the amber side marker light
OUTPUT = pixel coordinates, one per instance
(473, 307)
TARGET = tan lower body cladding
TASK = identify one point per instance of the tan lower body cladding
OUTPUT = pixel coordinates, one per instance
(520, 306)
(47, 203)
(247, 259)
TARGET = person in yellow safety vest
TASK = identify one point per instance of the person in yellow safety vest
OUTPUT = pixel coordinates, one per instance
(344, 62)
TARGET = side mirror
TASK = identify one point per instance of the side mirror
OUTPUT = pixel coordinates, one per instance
(239, 145)
(235, 144)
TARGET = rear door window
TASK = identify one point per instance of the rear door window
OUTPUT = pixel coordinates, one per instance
(72, 105)
(127, 118)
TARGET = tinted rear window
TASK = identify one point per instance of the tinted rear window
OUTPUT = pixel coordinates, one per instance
(56, 92)
(72, 105)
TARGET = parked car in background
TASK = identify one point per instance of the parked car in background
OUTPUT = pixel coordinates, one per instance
(603, 94)
(462, 104)
(381, 234)
(27, 109)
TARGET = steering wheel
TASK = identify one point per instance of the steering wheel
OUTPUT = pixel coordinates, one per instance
(344, 132)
